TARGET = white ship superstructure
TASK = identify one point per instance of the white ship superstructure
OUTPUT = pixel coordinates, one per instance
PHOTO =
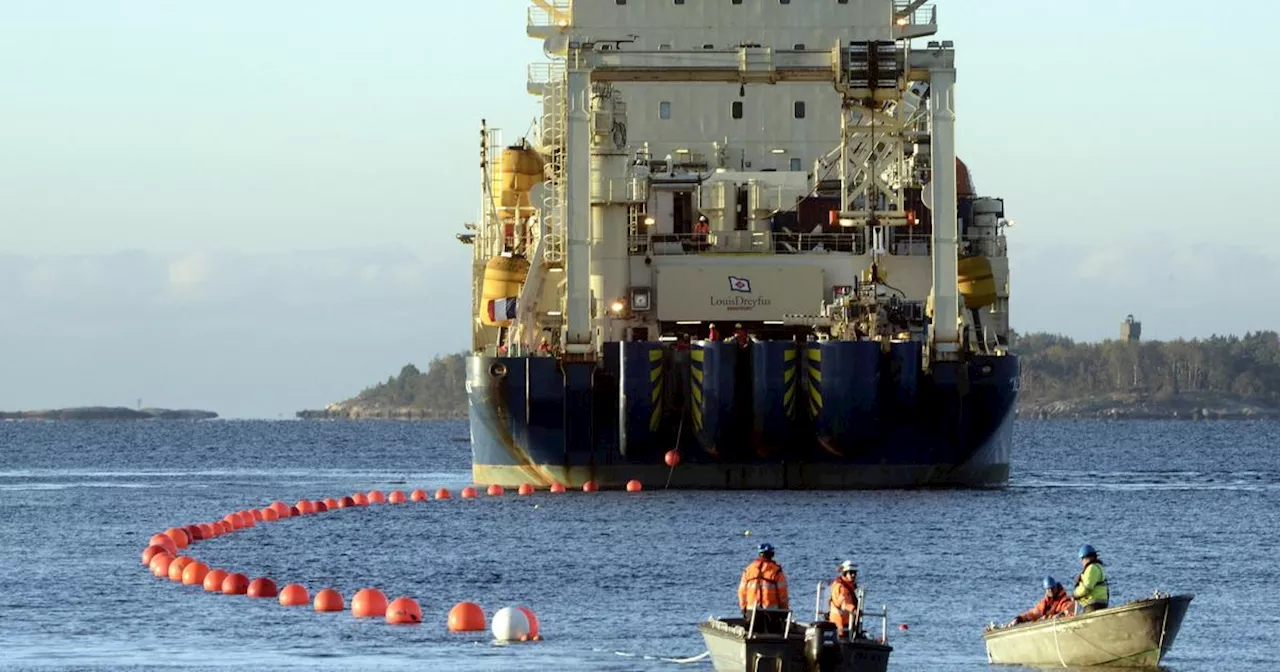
(658, 112)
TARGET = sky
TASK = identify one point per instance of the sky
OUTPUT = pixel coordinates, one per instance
(249, 207)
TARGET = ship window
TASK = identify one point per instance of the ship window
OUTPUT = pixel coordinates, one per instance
(784, 2)
(737, 2)
(664, 110)
(708, 46)
(622, 2)
(795, 165)
(679, 2)
(799, 47)
(664, 47)
(737, 109)
(799, 109)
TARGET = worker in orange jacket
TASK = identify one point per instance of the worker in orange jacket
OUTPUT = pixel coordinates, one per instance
(1055, 603)
(844, 597)
(763, 585)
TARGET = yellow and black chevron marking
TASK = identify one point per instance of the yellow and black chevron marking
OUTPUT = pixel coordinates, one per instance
(655, 382)
(815, 380)
(791, 382)
(697, 355)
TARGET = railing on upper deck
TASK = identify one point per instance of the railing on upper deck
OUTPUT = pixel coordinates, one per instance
(550, 13)
(745, 242)
(915, 22)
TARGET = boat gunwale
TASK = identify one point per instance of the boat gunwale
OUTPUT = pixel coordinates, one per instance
(1036, 627)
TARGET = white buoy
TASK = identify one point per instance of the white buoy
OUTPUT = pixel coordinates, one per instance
(510, 625)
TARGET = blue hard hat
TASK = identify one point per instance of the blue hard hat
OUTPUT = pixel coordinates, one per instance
(1087, 551)
(1050, 582)
(766, 547)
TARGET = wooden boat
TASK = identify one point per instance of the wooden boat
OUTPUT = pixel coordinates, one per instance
(1136, 634)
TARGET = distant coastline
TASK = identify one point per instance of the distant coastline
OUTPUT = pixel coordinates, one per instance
(109, 413)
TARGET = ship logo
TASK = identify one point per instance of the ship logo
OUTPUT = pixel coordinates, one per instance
(737, 284)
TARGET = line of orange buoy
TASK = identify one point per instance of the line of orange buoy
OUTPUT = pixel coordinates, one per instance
(162, 557)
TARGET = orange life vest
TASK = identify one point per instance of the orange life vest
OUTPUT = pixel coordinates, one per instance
(844, 602)
(763, 585)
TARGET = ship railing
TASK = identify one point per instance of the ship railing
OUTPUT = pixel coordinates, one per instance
(550, 13)
(746, 242)
(914, 19)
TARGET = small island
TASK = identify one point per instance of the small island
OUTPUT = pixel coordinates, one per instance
(1221, 377)
(108, 413)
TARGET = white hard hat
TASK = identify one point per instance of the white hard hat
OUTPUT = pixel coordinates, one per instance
(848, 566)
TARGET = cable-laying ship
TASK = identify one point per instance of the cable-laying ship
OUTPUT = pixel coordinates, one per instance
(739, 241)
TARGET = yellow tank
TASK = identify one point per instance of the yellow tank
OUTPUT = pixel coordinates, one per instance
(520, 168)
(977, 282)
(502, 279)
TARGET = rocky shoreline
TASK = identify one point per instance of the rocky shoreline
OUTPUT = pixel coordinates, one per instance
(109, 413)
(1142, 407)
(345, 411)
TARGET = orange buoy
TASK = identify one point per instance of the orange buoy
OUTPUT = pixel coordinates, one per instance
(903, 626)
(466, 617)
(294, 595)
(209, 531)
(194, 533)
(468, 492)
(281, 509)
(672, 458)
(329, 600)
(164, 541)
(235, 521)
(557, 487)
(176, 566)
(396, 497)
(293, 511)
(159, 564)
(533, 621)
(270, 515)
(179, 536)
(321, 507)
(404, 611)
(589, 486)
(376, 497)
(306, 506)
(346, 503)
(262, 587)
(525, 489)
(495, 490)
(225, 527)
(150, 552)
(247, 519)
(360, 499)
(235, 584)
(369, 603)
(332, 503)
(634, 486)
(443, 493)
(194, 573)
(256, 514)
(213, 580)
(418, 495)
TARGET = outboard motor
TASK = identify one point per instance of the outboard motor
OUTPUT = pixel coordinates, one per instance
(822, 646)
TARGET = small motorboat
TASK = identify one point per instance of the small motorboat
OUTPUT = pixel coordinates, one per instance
(1135, 634)
(772, 641)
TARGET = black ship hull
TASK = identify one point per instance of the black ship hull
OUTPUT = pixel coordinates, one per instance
(772, 415)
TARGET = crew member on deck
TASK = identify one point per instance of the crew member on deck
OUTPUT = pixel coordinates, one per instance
(700, 231)
(713, 334)
(763, 589)
(844, 597)
(1091, 590)
(740, 336)
(1055, 603)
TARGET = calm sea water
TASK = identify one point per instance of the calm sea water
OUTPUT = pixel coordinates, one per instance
(618, 580)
